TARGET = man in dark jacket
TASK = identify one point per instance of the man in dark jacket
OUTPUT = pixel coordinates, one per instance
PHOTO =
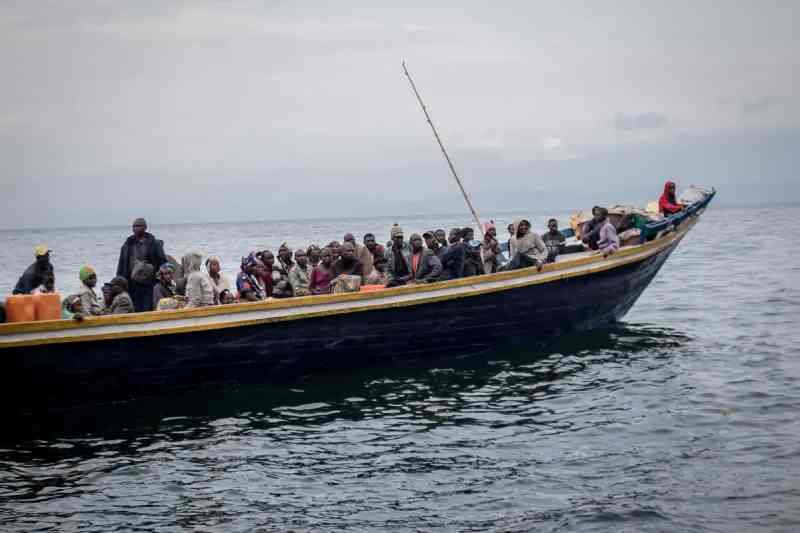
(139, 260)
(421, 264)
(453, 258)
(35, 274)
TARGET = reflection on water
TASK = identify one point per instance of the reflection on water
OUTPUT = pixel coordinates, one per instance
(448, 383)
(446, 431)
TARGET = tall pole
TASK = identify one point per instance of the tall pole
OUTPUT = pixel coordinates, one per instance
(444, 152)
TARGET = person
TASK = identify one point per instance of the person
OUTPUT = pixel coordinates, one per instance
(526, 248)
(284, 260)
(467, 234)
(378, 251)
(267, 272)
(507, 245)
(363, 254)
(473, 264)
(378, 275)
(139, 257)
(453, 257)
(425, 267)
(322, 275)
(200, 288)
(668, 204)
(490, 248)
(441, 238)
(121, 303)
(48, 285)
(165, 288)
(214, 269)
(312, 253)
(608, 241)
(300, 274)
(90, 303)
(398, 271)
(412, 263)
(590, 231)
(34, 275)
(554, 240)
(227, 297)
(347, 264)
(72, 308)
(433, 244)
(336, 249)
(250, 282)
(108, 297)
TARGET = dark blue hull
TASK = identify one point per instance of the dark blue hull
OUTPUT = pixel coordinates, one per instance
(67, 374)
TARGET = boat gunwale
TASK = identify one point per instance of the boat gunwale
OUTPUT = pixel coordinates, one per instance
(628, 255)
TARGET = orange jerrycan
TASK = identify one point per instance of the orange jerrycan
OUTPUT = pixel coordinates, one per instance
(20, 308)
(372, 288)
(48, 306)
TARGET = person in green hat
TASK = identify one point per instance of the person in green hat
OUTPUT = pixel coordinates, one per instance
(36, 274)
(90, 303)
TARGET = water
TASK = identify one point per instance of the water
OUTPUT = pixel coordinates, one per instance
(683, 418)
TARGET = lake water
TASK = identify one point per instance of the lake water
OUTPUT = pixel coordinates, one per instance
(682, 418)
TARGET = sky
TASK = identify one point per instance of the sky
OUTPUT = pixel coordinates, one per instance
(226, 111)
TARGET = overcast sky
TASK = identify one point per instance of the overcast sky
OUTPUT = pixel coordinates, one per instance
(212, 111)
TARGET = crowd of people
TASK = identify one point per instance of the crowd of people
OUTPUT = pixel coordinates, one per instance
(148, 279)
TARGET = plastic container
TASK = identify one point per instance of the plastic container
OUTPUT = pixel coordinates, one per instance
(20, 308)
(372, 288)
(47, 306)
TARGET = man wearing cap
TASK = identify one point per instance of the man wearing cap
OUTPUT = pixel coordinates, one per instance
(35, 274)
(139, 260)
(398, 257)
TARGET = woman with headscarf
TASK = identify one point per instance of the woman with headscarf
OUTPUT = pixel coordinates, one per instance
(526, 248)
(249, 282)
(668, 204)
(490, 248)
(214, 269)
(200, 289)
(165, 288)
(90, 303)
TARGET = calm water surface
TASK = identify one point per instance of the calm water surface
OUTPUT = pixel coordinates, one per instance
(683, 418)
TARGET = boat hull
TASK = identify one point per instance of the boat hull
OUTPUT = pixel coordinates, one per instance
(62, 374)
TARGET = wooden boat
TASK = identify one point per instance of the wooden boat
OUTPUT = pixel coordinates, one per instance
(61, 362)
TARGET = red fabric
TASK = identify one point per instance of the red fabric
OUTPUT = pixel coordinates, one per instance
(415, 263)
(267, 280)
(667, 204)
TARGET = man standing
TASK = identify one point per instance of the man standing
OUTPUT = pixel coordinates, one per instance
(35, 275)
(139, 260)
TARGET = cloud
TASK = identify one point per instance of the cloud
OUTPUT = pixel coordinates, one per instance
(643, 121)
